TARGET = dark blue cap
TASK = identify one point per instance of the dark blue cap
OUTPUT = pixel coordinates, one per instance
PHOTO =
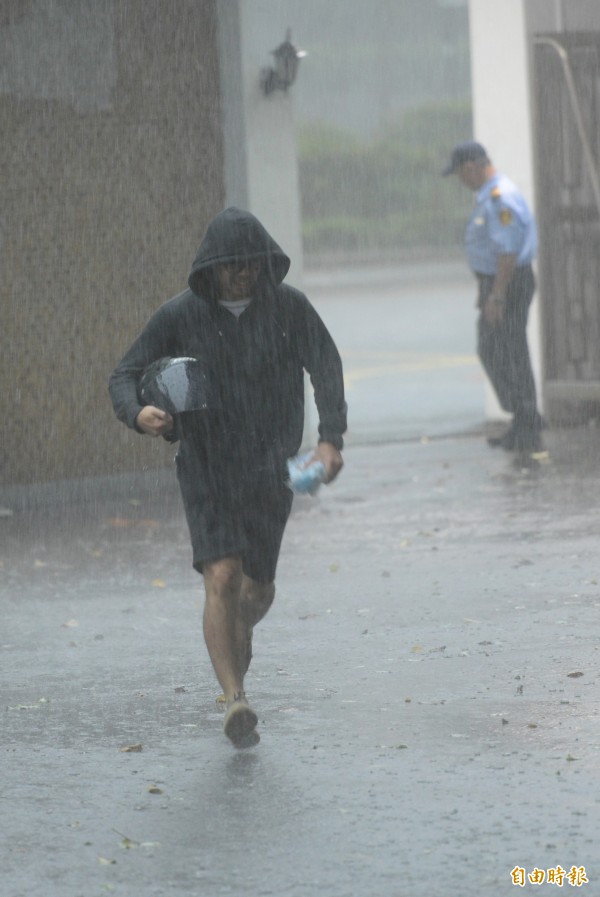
(470, 151)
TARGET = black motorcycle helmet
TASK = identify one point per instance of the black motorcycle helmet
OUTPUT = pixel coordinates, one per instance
(176, 385)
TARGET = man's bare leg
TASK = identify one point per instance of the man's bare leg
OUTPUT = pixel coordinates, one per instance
(224, 629)
(255, 600)
(226, 636)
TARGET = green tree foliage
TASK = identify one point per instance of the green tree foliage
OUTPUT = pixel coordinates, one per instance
(387, 192)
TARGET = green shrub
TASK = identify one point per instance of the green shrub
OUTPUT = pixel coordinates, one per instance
(385, 192)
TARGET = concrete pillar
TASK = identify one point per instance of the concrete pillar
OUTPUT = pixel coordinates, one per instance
(500, 75)
(260, 158)
(259, 147)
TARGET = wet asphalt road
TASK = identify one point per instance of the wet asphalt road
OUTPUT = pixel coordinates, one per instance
(426, 682)
(422, 732)
(407, 340)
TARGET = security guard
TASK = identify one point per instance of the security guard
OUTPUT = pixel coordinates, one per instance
(501, 241)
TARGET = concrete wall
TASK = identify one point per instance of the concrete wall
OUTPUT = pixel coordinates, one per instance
(112, 166)
(500, 78)
(260, 155)
(259, 140)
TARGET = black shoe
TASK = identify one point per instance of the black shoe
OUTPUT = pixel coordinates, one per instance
(528, 442)
(505, 441)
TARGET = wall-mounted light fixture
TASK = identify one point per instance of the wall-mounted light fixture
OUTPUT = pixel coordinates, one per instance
(283, 74)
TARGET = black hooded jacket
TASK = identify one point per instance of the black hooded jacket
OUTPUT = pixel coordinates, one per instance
(255, 363)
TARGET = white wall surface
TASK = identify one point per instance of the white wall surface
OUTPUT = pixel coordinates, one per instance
(260, 159)
(261, 166)
(502, 117)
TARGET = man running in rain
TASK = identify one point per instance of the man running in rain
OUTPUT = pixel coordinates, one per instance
(252, 337)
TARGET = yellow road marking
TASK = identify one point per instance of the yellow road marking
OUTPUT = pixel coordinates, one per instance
(405, 363)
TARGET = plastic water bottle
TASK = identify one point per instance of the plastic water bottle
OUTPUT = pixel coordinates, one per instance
(305, 477)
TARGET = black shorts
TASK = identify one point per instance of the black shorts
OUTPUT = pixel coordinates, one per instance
(232, 511)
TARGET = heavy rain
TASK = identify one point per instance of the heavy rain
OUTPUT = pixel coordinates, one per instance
(418, 712)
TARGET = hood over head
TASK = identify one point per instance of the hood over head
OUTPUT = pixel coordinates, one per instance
(231, 236)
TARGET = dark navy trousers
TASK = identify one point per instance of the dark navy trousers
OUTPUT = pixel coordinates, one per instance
(504, 354)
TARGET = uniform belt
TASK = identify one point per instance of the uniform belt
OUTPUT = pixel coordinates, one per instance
(481, 276)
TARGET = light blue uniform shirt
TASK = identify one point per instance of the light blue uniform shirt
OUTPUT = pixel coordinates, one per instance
(501, 223)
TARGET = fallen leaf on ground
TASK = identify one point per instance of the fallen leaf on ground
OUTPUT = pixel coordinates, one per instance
(30, 706)
(575, 675)
(154, 789)
(127, 843)
(131, 749)
(158, 583)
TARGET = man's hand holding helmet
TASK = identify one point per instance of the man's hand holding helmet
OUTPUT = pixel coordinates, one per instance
(153, 421)
(168, 387)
